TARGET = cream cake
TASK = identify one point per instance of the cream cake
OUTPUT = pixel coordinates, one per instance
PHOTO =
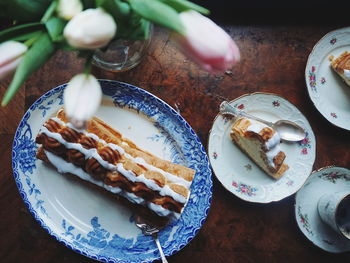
(341, 65)
(102, 156)
(262, 144)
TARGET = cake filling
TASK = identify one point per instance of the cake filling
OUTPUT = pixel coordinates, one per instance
(170, 177)
(65, 167)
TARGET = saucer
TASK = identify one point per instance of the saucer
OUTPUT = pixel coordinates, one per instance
(328, 92)
(324, 181)
(239, 174)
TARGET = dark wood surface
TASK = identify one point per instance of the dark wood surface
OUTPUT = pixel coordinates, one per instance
(274, 56)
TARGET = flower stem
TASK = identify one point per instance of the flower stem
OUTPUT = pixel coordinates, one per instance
(30, 41)
(87, 66)
(49, 11)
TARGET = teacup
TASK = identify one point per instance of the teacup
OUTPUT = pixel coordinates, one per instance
(334, 210)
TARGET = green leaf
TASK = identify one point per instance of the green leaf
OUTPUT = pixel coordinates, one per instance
(158, 13)
(26, 36)
(25, 10)
(138, 30)
(183, 5)
(141, 31)
(65, 46)
(42, 49)
(88, 4)
(55, 28)
(49, 11)
(119, 10)
(21, 32)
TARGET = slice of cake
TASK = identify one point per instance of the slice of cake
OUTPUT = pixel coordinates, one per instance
(262, 144)
(102, 156)
(341, 65)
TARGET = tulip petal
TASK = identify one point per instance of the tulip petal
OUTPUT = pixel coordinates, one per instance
(67, 9)
(10, 51)
(206, 43)
(90, 29)
(9, 68)
(82, 98)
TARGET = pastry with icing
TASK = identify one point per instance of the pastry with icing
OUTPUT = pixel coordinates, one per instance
(341, 65)
(102, 156)
(262, 144)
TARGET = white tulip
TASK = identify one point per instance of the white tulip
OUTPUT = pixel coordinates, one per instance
(67, 9)
(90, 29)
(11, 53)
(82, 98)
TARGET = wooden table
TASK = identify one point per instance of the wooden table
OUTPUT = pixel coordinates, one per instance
(273, 60)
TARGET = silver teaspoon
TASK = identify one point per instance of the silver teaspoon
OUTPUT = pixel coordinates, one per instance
(288, 130)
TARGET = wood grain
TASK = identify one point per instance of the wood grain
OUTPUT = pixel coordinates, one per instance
(273, 60)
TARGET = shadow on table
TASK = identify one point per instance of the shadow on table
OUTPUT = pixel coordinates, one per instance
(258, 12)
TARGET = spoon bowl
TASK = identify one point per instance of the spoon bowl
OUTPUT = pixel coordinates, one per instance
(287, 130)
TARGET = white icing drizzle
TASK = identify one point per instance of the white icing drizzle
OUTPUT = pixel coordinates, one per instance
(271, 154)
(170, 177)
(347, 74)
(272, 144)
(273, 141)
(130, 175)
(65, 167)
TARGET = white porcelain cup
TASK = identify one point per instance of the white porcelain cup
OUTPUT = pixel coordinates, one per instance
(334, 210)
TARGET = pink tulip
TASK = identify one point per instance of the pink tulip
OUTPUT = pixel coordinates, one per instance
(11, 53)
(206, 43)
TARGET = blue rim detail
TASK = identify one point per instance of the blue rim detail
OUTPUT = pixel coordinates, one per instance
(166, 119)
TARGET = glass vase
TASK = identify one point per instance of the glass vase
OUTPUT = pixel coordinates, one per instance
(122, 54)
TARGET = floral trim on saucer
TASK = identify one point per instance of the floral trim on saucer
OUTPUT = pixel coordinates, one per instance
(304, 219)
(276, 103)
(244, 188)
(334, 115)
(334, 176)
(305, 144)
(290, 183)
(312, 78)
(240, 106)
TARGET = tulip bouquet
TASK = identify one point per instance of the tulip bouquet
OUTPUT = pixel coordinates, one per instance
(41, 27)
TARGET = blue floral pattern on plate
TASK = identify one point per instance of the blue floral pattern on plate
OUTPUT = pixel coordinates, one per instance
(99, 243)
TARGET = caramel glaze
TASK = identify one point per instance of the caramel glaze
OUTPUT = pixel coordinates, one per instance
(95, 169)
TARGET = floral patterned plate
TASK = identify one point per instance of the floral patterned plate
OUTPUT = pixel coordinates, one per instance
(93, 224)
(330, 95)
(239, 174)
(324, 181)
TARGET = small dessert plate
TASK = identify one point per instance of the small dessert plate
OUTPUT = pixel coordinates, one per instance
(324, 181)
(328, 92)
(239, 174)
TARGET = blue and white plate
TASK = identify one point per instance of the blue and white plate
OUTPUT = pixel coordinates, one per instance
(96, 225)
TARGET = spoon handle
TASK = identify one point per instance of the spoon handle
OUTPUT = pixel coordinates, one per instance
(226, 108)
(162, 256)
